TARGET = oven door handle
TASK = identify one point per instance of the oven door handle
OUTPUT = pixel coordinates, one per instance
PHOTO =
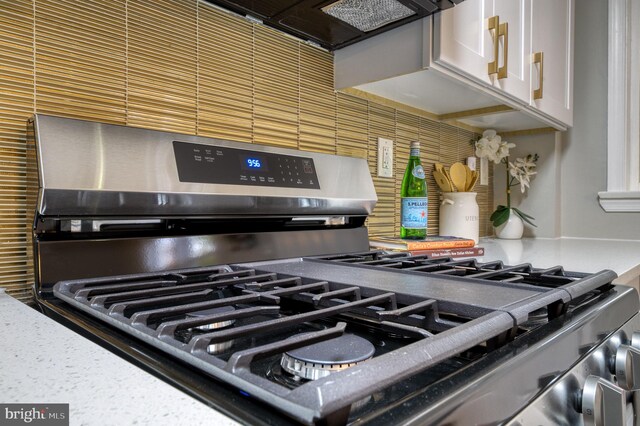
(96, 225)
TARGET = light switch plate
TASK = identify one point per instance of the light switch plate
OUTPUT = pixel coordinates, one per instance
(484, 171)
(385, 157)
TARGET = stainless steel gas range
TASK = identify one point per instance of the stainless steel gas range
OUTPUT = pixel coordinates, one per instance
(241, 274)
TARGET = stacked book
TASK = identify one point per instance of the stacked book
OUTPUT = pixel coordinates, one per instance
(433, 247)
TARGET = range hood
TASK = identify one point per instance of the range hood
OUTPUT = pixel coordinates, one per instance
(335, 23)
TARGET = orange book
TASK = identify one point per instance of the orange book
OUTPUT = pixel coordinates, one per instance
(453, 253)
(429, 243)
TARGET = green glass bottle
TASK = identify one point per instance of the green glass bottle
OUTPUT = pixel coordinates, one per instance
(413, 206)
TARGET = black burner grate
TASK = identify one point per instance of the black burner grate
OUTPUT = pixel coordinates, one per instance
(470, 268)
(275, 312)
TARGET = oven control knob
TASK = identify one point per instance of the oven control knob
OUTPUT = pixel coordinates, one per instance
(627, 367)
(603, 403)
(635, 339)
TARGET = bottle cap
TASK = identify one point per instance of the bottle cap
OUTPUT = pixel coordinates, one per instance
(415, 144)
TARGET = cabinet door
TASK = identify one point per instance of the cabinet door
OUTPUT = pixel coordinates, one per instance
(517, 14)
(552, 34)
(464, 43)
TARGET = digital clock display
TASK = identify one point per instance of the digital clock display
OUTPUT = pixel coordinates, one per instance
(254, 163)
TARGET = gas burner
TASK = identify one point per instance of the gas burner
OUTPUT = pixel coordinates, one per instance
(213, 311)
(538, 317)
(320, 359)
(218, 348)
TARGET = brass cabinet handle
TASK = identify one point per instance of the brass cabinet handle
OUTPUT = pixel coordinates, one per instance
(538, 58)
(494, 23)
(503, 31)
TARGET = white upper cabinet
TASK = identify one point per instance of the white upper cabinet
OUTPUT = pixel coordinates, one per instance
(552, 58)
(531, 40)
(511, 60)
(488, 40)
(462, 41)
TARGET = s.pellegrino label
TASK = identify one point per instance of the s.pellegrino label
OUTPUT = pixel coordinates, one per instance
(413, 194)
(418, 172)
(414, 212)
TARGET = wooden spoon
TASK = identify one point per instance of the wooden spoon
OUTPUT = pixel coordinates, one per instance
(442, 181)
(469, 178)
(445, 172)
(458, 174)
(472, 183)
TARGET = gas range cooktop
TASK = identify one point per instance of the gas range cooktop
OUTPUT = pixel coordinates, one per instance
(221, 275)
(336, 338)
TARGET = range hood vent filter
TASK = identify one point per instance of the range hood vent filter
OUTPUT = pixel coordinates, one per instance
(367, 15)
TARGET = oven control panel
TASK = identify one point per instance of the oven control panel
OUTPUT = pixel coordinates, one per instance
(199, 163)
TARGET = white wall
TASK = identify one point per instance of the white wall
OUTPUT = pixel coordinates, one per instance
(584, 150)
(564, 195)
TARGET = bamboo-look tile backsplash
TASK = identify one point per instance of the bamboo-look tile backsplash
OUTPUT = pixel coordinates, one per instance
(184, 66)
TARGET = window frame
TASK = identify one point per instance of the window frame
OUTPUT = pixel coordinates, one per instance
(623, 126)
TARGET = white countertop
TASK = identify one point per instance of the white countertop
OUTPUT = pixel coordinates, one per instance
(574, 254)
(42, 361)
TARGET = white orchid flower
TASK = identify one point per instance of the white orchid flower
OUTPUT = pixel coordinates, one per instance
(503, 149)
(482, 148)
(520, 171)
(492, 150)
(492, 147)
(489, 133)
(529, 162)
(513, 169)
(524, 183)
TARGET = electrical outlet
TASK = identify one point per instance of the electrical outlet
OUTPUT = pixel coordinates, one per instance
(472, 163)
(385, 157)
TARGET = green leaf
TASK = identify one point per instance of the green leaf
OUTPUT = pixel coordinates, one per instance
(495, 214)
(501, 217)
(528, 221)
(523, 214)
(525, 217)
